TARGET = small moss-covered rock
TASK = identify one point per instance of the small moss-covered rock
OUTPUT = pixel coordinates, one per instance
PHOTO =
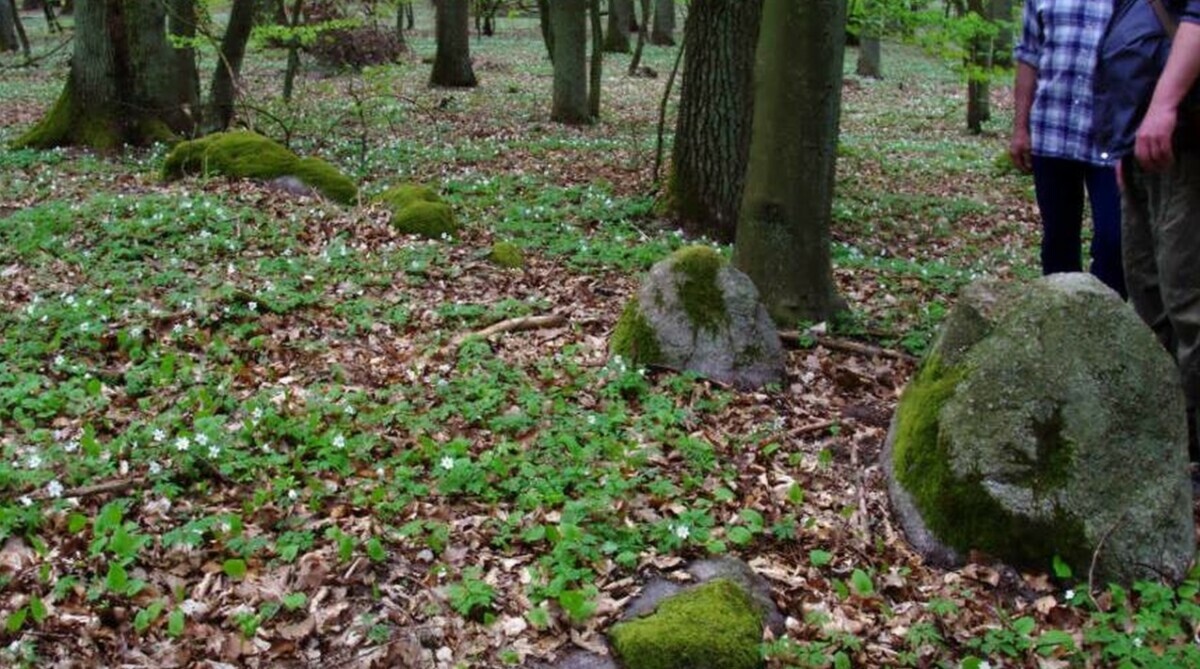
(507, 254)
(248, 155)
(696, 312)
(400, 196)
(711, 626)
(433, 220)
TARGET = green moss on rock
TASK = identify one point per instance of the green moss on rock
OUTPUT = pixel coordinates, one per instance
(507, 254)
(698, 290)
(634, 339)
(711, 626)
(249, 155)
(400, 196)
(954, 505)
(432, 220)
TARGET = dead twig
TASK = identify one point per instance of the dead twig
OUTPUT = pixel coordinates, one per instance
(521, 324)
(797, 339)
(117, 485)
(811, 428)
(1096, 558)
(864, 521)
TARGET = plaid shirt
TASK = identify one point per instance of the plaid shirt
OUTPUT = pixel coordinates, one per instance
(1060, 39)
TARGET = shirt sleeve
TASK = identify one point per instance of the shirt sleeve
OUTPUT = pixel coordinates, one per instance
(1191, 12)
(1029, 49)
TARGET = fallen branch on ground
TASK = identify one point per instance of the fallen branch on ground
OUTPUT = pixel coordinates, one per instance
(796, 339)
(522, 324)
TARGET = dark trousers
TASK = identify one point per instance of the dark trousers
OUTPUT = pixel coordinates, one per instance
(1060, 186)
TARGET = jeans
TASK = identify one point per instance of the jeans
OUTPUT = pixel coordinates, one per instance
(1162, 262)
(1060, 185)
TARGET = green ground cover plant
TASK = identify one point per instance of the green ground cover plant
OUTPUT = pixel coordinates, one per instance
(236, 422)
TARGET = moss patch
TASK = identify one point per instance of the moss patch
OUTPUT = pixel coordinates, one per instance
(400, 196)
(433, 220)
(712, 626)
(249, 155)
(955, 507)
(698, 290)
(507, 254)
(64, 124)
(633, 338)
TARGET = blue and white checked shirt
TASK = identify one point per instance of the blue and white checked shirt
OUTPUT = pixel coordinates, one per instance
(1060, 39)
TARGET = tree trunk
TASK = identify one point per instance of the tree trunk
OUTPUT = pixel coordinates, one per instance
(19, 28)
(52, 24)
(547, 27)
(869, 58)
(616, 38)
(636, 61)
(122, 87)
(712, 133)
(596, 71)
(229, 64)
(293, 61)
(8, 27)
(783, 240)
(400, 27)
(452, 65)
(663, 33)
(978, 66)
(1002, 12)
(569, 24)
(181, 22)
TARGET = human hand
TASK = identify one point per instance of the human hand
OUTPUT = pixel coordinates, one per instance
(1153, 148)
(1020, 149)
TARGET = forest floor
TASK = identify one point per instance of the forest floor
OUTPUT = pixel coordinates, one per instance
(237, 427)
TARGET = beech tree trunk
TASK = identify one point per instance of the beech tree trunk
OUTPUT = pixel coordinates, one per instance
(596, 66)
(712, 133)
(783, 240)
(229, 64)
(663, 33)
(616, 38)
(568, 19)
(123, 86)
(979, 63)
(181, 22)
(452, 65)
(636, 61)
(546, 26)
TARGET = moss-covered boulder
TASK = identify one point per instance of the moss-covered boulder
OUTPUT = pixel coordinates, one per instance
(1045, 421)
(507, 254)
(695, 312)
(433, 220)
(715, 625)
(400, 196)
(248, 155)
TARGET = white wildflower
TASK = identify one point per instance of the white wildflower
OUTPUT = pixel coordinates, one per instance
(26, 501)
(214, 451)
(339, 441)
(447, 463)
(34, 461)
(202, 439)
(182, 444)
(1069, 595)
(682, 531)
(59, 361)
(155, 468)
(54, 489)
(71, 446)
(292, 495)
(159, 436)
(252, 306)
(257, 414)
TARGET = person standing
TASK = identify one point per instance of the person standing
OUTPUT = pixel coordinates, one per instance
(1053, 138)
(1148, 120)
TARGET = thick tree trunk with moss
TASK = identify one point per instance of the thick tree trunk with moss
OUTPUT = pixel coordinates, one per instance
(712, 133)
(616, 38)
(452, 65)
(663, 33)
(569, 24)
(783, 236)
(122, 87)
(229, 64)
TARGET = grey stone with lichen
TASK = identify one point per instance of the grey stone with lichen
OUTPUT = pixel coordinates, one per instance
(734, 341)
(1063, 411)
